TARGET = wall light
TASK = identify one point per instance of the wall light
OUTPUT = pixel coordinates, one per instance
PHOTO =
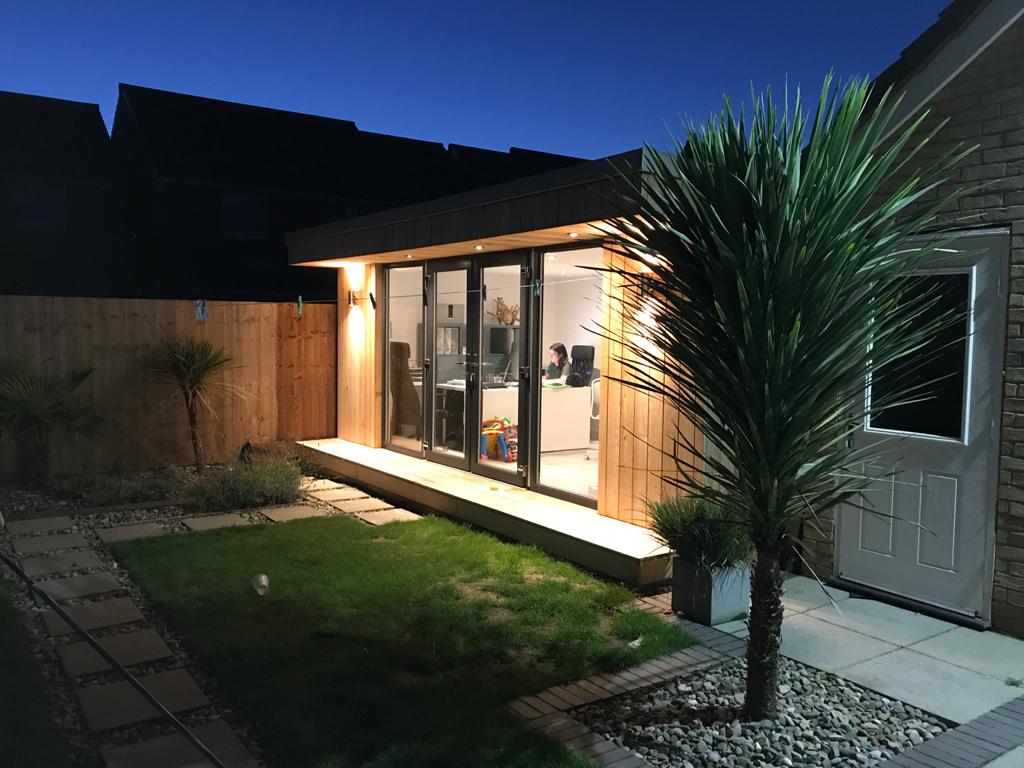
(352, 299)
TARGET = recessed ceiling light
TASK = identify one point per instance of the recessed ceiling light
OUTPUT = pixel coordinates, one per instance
(552, 257)
(574, 235)
(478, 247)
(408, 255)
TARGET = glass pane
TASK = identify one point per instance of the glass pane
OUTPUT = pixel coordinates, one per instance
(500, 343)
(449, 363)
(405, 357)
(570, 398)
(938, 368)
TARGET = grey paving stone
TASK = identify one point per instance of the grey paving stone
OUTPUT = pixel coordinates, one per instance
(381, 516)
(212, 522)
(339, 494)
(80, 586)
(129, 648)
(116, 704)
(176, 751)
(39, 525)
(78, 560)
(296, 512)
(130, 532)
(32, 545)
(317, 484)
(360, 505)
(103, 613)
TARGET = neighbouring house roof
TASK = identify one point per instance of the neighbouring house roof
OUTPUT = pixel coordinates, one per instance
(201, 139)
(541, 208)
(964, 29)
(40, 136)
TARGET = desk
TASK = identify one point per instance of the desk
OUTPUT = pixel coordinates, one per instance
(564, 413)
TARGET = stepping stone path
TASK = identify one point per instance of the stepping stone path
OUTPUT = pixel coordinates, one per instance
(296, 512)
(114, 705)
(387, 516)
(176, 751)
(212, 522)
(130, 532)
(129, 648)
(34, 545)
(50, 548)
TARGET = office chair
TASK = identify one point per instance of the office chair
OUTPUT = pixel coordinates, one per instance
(582, 356)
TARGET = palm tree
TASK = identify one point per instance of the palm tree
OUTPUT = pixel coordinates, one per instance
(33, 407)
(192, 366)
(767, 283)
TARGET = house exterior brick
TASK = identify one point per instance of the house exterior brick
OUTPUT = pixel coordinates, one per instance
(984, 106)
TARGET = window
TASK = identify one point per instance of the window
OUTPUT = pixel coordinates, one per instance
(570, 396)
(35, 203)
(933, 375)
(244, 213)
(405, 357)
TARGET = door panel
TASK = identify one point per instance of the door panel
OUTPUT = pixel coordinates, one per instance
(449, 365)
(928, 534)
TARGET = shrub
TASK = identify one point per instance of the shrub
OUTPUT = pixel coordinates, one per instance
(697, 531)
(264, 480)
(106, 489)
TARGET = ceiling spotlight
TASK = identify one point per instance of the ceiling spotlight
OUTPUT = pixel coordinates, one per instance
(408, 255)
(552, 257)
(574, 235)
(478, 247)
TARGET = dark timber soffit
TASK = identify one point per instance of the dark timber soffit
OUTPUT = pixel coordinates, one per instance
(576, 195)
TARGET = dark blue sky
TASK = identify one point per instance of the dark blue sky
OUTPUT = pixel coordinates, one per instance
(588, 79)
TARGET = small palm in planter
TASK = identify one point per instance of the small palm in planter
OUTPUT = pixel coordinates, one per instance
(710, 570)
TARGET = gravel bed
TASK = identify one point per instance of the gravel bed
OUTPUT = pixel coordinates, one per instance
(824, 722)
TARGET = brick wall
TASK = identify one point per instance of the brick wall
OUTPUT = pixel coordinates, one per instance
(985, 106)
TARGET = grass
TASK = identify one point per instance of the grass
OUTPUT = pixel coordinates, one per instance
(28, 737)
(391, 646)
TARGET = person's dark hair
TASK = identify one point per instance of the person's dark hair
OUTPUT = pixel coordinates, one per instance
(559, 349)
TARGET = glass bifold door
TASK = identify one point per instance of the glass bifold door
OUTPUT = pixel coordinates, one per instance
(457, 360)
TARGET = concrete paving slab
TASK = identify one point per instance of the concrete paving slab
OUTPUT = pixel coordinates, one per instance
(176, 751)
(800, 594)
(32, 545)
(103, 613)
(382, 516)
(737, 628)
(78, 560)
(360, 505)
(213, 522)
(827, 646)
(39, 525)
(129, 648)
(882, 621)
(80, 586)
(130, 532)
(934, 685)
(116, 704)
(1012, 759)
(309, 484)
(343, 493)
(296, 512)
(987, 653)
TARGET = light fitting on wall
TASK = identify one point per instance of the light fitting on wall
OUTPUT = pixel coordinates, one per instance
(352, 299)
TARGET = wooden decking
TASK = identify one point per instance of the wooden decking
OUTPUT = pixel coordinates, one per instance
(570, 531)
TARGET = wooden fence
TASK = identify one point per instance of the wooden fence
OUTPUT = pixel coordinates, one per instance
(285, 365)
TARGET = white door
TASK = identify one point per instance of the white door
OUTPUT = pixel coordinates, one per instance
(930, 536)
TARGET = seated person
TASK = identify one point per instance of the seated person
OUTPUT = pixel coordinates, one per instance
(559, 366)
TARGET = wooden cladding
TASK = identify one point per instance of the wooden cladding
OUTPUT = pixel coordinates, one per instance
(638, 430)
(360, 366)
(285, 365)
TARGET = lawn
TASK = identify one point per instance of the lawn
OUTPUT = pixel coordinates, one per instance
(28, 737)
(390, 646)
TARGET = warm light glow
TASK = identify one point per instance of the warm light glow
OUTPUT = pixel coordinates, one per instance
(552, 257)
(355, 275)
(574, 235)
(408, 255)
(478, 247)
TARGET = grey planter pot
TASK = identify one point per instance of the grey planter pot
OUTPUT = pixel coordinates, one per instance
(710, 598)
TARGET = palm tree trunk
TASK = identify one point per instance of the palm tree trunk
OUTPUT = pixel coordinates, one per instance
(765, 634)
(193, 431)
